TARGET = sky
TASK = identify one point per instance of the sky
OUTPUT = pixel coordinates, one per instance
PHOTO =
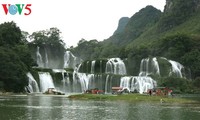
(76, 19)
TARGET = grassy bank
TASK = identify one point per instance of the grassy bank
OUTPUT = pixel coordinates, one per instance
(132, 98)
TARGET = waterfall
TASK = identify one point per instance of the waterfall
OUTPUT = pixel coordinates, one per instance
(125, 82)
(93, 66)
(176, 68)
(32, 84)
(39, 58)
(46, 59)
(84, 81)
(58, 70)
(46, 81)
(70, 60)
(138, 83)
(67, 59)
(155, 66)
(149, 66)
(115, 66)
(106, 84)
(87, 67)
(100, 66)
(144, 67)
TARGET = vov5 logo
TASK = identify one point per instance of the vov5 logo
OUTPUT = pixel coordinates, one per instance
(22, 9)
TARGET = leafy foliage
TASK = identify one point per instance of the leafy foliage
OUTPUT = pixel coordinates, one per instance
(10, 34)
(177, 12)
(15, 60)
(48, 37)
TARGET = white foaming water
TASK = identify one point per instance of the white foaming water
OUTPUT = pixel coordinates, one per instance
(46, 81)
(116, 66)
(46, 60)
(155, 66)
(149, 66)
(93, 66)
(70, 60)
(84, 80)
(39, 58)
(176, 68)
(32, 86)
(106, 84)
(138, 83)
(58, 70)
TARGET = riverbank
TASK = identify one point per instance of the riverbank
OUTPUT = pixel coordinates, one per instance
(133, 98)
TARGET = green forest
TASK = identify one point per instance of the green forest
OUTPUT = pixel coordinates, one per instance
(173, 34)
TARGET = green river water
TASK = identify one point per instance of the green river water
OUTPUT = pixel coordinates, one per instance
(61, 108)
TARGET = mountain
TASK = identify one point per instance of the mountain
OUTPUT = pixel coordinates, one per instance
(179, 16)
(121, 25)
(137, 25)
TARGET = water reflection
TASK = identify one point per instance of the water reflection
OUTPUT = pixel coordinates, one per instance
(61, 108)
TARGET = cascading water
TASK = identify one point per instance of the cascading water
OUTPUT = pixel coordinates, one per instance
(106, 85)
(32, 86)
(138, 83)
(149, 66)
(67, 59)
(46, 81)
(70, 60)
(46, 60)
(39, 58)
(116, 66)
(176, 68)
(84, 81)
(144, 67)
(100, 66)
(155, 66)
(93, 66)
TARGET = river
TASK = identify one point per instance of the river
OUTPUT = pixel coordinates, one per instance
(42, 107)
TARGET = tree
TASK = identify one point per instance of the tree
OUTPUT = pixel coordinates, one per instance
(15, 58)
(50, 36)
(10, 34)
(12, 71)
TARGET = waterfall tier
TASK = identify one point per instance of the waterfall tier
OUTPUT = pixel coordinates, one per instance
(156, 66)
(137, 83)
(32, 84)
(46, 81)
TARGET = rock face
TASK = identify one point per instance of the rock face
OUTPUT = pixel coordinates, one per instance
(121, 25)
(173, 4)
(168, 5)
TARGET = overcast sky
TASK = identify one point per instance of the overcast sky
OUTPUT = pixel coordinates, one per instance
(76, 19)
